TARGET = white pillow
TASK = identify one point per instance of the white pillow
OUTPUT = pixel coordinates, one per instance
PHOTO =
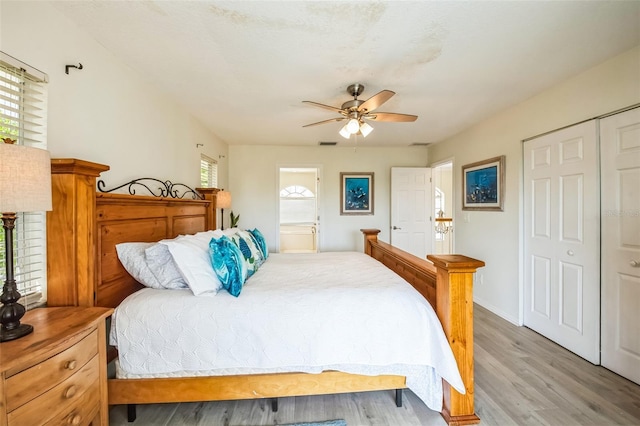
(163, 267)
(150, 265)
(229, 232)
(191, 255)
(132, 257)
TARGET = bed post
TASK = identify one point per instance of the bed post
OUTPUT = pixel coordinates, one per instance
(210, 194)
(454, 307)
(446, 281)
(71, 268)
(370, 235)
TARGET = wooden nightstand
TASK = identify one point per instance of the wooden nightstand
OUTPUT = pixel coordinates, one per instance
(58, 374)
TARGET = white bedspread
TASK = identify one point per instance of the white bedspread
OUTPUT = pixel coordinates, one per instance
(300, 312)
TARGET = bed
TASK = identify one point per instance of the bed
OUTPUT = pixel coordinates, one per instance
(84, 228)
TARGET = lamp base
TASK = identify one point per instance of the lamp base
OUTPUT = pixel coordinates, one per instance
(18, 332)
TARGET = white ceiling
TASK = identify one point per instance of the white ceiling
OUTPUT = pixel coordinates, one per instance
(243, 67)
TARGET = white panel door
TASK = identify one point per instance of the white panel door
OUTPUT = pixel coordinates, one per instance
(562, 239)
(620, 171)
(412, 210)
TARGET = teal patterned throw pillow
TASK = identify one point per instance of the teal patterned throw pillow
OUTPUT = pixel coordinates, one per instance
(228, 263)
(250, 251)
(262, 244)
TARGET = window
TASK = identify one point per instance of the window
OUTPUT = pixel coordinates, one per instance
(297, 205)
(208, 172)
(23, 106)
(296, 191)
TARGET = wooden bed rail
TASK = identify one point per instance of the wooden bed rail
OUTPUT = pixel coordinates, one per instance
(447, 283)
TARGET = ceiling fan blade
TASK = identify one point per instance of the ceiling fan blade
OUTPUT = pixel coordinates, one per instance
(323, 106)
(376, 100)
(325, 121)
(391, 116)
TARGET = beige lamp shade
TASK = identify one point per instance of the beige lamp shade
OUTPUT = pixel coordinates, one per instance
(223, 199)
(25, 179)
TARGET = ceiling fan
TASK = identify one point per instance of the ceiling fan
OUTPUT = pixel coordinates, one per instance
(357, 111)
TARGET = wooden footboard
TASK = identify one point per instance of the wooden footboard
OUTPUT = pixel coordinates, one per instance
(447, 283)
(83, 270)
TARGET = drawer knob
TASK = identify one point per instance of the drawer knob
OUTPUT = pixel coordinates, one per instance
(74, 419)
(71, 365)
(70, 392)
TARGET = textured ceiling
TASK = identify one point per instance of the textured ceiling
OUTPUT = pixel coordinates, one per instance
(243, 67)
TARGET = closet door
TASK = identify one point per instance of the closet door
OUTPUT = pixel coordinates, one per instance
(620, 155)
(562, 239)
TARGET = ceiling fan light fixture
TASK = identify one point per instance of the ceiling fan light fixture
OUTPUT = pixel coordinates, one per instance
(365, 129)
(344, 132)
(353, 126)
(356, 110)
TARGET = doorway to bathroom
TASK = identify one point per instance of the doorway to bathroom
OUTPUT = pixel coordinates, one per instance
(299, 219)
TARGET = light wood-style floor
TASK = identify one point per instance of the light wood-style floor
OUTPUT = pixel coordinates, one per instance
(521, 379)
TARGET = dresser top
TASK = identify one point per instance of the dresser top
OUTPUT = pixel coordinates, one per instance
(52, 327)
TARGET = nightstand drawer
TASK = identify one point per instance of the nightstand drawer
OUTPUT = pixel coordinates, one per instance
(33, 381)
(62, 399)
(86, 409)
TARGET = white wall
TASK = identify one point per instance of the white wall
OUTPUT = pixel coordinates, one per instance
(106, 112)
(253, 177)
(495, 236)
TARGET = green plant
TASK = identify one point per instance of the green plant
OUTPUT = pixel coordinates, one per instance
(234, 219)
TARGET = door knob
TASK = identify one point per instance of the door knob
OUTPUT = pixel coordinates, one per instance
(395, 227)
(570, 252)
(634, 263)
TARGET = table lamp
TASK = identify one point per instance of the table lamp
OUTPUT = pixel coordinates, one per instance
(223, 201)
(25, 186)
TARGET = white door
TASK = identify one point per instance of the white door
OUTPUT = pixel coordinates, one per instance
(620, 176)
(411, 210)
(562, 239)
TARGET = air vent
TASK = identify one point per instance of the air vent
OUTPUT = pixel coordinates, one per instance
(420, 144)
(327, 143)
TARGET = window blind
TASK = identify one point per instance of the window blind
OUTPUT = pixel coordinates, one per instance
(23, 107)
(208, 172)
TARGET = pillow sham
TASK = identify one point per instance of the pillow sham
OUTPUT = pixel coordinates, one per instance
(163, 267)
(132, 256)
(228, 263)
(252, 255)
(262, 244)
(191, 255)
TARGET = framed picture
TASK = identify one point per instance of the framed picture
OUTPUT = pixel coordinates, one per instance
(356, 193)
(483, 185)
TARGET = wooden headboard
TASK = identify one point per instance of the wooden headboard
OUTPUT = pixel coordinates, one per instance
(84, 227)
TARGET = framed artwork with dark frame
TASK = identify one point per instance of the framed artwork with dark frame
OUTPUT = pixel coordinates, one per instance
(483, 185)
(356, 193)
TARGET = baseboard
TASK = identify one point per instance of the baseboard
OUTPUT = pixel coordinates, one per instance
(495, 310)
